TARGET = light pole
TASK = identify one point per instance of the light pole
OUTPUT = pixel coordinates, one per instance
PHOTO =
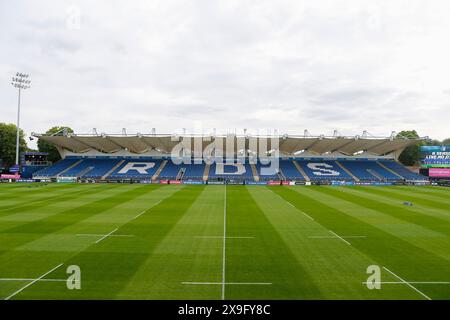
(20, 81)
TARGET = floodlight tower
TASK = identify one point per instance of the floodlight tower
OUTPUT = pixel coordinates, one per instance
(20, 81)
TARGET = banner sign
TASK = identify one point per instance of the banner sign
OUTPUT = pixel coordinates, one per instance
(192, 182)
(439, 172)
(15, 168)
(342, 183)
(435, 156)
(175, 182)
(215, 182)
(66, 179)
(10, 176)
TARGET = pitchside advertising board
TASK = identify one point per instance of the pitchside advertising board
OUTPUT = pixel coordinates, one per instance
(439, 172)
(435, 156)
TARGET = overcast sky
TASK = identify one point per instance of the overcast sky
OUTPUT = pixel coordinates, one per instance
(288, 65)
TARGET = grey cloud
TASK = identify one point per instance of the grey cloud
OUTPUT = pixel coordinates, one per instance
(291, 65)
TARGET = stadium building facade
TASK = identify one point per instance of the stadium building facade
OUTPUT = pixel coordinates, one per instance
(280, 159)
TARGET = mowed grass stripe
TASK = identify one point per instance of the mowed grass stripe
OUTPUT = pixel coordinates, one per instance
(403, 195)
(27, 189)
(266, 258)
(426, 192)
(109, 265)
(420, 236)
(64, 218)
(185, 254)
(22, 216)
(57, 247)
(436, 213)
(336, 268)
(68, 194)
(402, 213)
(400, 256)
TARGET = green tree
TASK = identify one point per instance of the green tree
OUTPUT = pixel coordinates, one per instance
(44, 146)
(410, 156)
(8, 133)
(446, 142)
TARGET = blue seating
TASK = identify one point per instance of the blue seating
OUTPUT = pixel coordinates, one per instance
(269, 174)
(100, 167)
(194, 171)
(136, 169)
(290, 171)
(368, 170)
(56, 168)
(238, 171)
(401, 170)
(316, 169)
(323, 170)
(170, 170)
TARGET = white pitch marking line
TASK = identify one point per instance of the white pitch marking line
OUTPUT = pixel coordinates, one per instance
(340, 237)
(332, 237)
(220, 237)
(106, 235)
(32, 282)
(411, 282)
(408, 284)
(230, 283)
(140, 214)
(100, 235)
(224, 241)
(304, 213)
(31, 279)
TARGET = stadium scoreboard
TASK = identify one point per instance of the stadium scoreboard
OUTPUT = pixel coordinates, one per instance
(436, 161)
(435, 156)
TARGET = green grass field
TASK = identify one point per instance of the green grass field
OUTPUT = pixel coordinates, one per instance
(167, 241)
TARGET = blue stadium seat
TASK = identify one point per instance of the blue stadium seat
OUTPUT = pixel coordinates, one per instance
(315, 169)
(237, 171)
(401, 170)
(323, 170)
(368, 170)
(137, 169)
(194, 171)
(56, 168)
(96, 168)
(290, 171)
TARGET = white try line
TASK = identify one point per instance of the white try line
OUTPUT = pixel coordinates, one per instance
(221, 237)
(140, 214)
(224, 241)
(408, 284)
(106, 235)
(32, 282)
(227, 283)
(340, 237)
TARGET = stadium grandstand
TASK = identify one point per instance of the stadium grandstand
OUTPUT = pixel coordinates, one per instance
(305, 159)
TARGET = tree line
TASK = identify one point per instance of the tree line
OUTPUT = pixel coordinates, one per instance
(409, 157)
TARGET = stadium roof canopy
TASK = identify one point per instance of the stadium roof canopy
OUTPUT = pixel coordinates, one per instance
(140, 144)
